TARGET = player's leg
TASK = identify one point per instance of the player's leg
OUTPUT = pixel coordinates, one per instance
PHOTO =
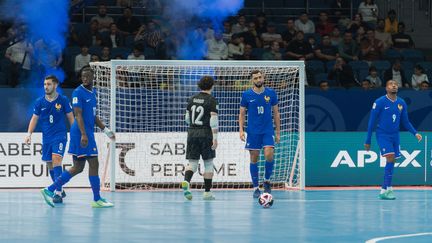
(268, 143)
(57, 157)
(397, 154)
(254, 145)
(208, 154)
(192, 155)
(98, 201)
(387, 151)
(47, 157)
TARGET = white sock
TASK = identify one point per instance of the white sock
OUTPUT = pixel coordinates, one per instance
(382, 191)
(256, 188)
(390, 188)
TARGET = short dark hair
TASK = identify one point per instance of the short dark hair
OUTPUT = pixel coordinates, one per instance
(419, 67)
(206, 83)
(53, 78)
(254, 72)
(85, 68)
(372, 68)
(367, 80)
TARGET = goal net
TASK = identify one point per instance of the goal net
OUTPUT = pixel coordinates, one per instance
(144, 102)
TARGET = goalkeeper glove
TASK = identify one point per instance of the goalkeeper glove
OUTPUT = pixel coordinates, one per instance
(108, 132)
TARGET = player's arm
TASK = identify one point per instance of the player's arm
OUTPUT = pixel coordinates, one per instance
(242, 116)
(104, 128)
(31, 128)
(80, 121)
(214, 124)
(70, 117)
(276, 117)
(407, 124)
(371, 125)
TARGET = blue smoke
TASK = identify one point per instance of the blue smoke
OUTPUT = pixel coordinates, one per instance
(46, 23)
(194, 13)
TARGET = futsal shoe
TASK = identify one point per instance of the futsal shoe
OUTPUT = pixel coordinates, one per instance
(47, 195)
(63, 194)
(387, 195)
(57, 198)
(208, 196)
(267, 187)
(390, 194)
(257, 193)
(186, 192)
(102, 203)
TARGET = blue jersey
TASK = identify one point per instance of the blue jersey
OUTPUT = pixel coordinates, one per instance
(388, 115)
(259, 110)
(52, 117)
(86, 100)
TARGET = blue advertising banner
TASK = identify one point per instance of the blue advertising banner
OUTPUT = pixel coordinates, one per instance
(339, 159)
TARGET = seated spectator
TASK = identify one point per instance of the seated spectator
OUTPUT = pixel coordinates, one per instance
(397, 74)
(128, 24)
(247, 54)
(325, 51)
(91, 37)
(251, 36)
(304, 24)
(340, 8)
(48, 55)
(418, 77)
(289, 34)
(383, 36)
(424, 86)
(369, 10)
(324, 27)
(153, 36)
(103, 19)
(270, 36)
(273, 53)
(348, 49)
(360, 35)
(312, 42)
(114, 39)
(105, 54)
(136, 53)
(343, 74)
(299, 49)
(216, 48)
(240, 26)
(324, 85)
(261, 23)
(205, 29)
(355, 23)
(94, 58)
(19, 56)
(235, 48)
(82, 59)
(366, 84)
(336, 37)
(72, 37)
(374, 78)
(227, 33)
(371, 48)
(402, 40)
(391, 23)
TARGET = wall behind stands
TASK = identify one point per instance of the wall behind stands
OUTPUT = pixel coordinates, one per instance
(334, 110)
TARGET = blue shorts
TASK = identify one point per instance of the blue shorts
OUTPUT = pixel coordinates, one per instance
(76, 149)
(258, 141)
(55, 147)
(389, 144)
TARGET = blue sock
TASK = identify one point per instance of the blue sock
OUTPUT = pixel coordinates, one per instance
(388, 174)
(60, 181)
(268, 169)
(57, 172)
(254, 174)
(53, 177)
(95, 185)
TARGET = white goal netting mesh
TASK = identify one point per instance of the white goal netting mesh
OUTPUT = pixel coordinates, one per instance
(150, 103)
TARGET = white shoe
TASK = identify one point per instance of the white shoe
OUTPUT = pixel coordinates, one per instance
(208, 196)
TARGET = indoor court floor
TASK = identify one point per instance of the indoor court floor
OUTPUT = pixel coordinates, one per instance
(165, 216)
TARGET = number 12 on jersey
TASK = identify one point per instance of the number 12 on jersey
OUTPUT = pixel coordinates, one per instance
(197, 114)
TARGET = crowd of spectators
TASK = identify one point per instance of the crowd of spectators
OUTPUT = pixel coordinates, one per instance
(364, 51)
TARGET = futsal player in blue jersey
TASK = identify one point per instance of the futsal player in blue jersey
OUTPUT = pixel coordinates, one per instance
(82, 141)
(51, 110)
(387, 113)
(261, 105)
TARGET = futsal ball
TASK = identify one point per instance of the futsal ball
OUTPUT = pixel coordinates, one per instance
(265, 200)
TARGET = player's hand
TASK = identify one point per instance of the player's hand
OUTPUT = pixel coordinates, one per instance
(27, 139)
(242, 136)
(84, 141)
(367, 147)
(109, 133)
(277, 138)
(215, 144)
(419, 137)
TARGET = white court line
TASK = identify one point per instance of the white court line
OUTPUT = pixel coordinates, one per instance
(374, 240)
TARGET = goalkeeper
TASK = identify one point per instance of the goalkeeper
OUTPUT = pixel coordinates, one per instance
(202, 118)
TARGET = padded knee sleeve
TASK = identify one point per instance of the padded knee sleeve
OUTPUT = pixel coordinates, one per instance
(193, 165)
(208, 166)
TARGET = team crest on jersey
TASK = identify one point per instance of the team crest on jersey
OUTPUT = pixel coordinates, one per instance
(267, 98)
(400, 107)
(58, 106)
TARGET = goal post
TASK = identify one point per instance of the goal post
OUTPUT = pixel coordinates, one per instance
(144, 102)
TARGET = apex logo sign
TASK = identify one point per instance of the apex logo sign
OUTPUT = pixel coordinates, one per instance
(367, 157)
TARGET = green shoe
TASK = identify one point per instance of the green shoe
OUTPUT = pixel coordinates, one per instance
(47, 195)
(387, 195)
(186, 192)
(102, 203)
(208, 196)
(390, 195)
